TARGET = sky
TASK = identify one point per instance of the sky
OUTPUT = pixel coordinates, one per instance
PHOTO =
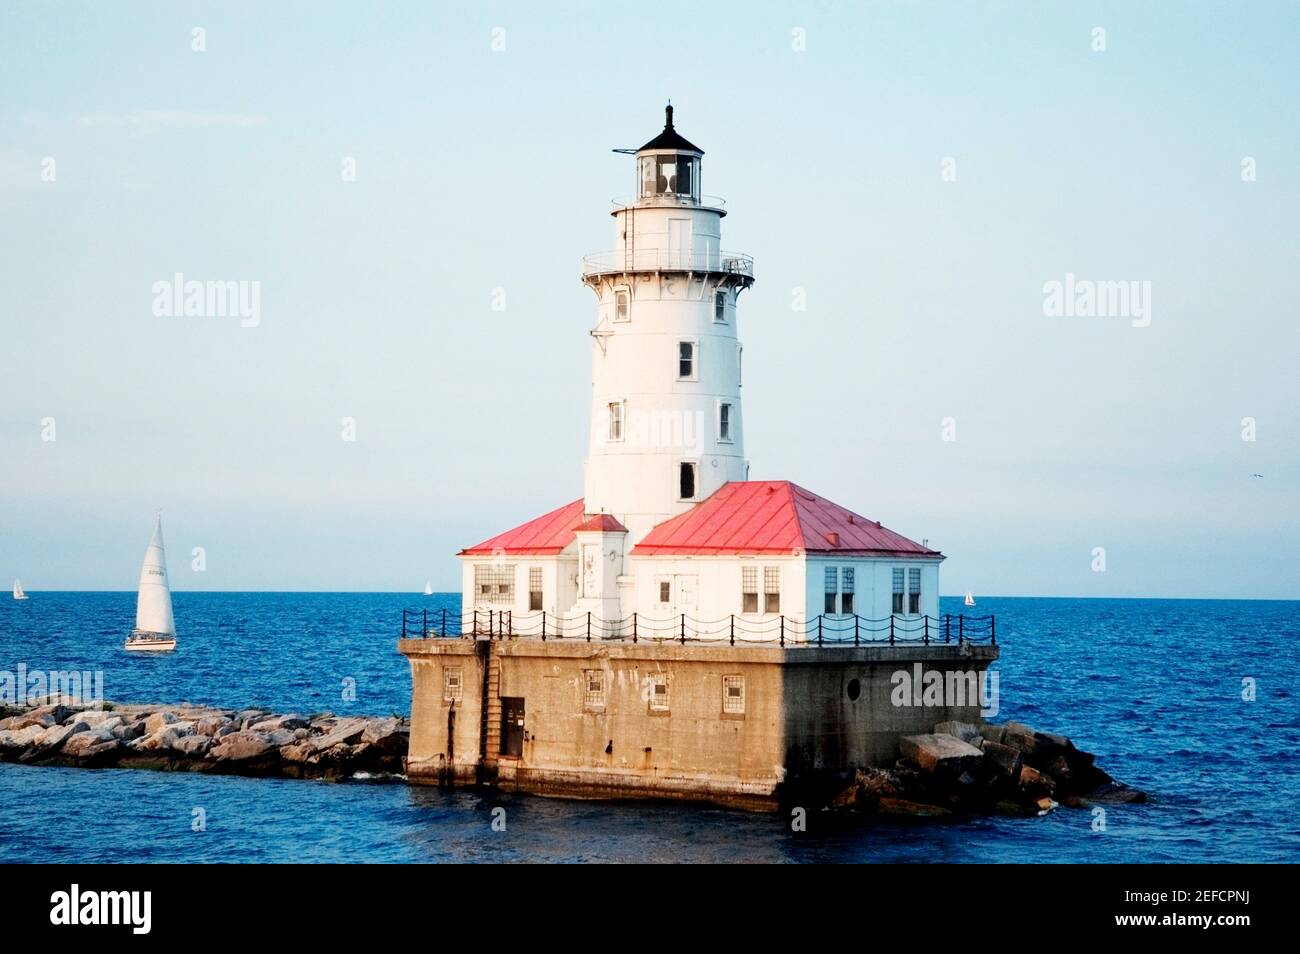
(908, 177)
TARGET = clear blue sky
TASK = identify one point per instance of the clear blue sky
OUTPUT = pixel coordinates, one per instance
(479, 169)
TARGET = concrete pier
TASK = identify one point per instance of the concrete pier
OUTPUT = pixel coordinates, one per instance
(741, 726)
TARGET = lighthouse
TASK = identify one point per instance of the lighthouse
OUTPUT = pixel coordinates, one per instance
(666, 424)
(670, 532)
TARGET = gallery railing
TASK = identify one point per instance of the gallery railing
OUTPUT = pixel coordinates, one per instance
(824, 630)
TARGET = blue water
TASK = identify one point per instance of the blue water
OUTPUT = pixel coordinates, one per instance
(1153, 687)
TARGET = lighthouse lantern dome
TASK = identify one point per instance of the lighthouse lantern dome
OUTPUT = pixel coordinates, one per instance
(668, 166)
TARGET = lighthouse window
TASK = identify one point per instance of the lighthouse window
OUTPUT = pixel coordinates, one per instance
(616, 420)
(622, 305)
(832, 577)
(846, 591)
(914, 590)
(749, 589)
(452, 687)
(733, 695)
(724, 422)
(665, 591)
(720, 306)
(897, 606)
(594, 683)
(659, 693)
(685, 360)
(771, 589)
(686, 480)
(534, 587)
(495, 583)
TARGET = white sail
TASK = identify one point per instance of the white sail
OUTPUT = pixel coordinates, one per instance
(428, 589)
(970, 598)
(153, 607)
(18, 590)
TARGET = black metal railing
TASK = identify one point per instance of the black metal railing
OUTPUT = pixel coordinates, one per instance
(823, 630)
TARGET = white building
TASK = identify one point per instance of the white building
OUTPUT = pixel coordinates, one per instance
(670, 535)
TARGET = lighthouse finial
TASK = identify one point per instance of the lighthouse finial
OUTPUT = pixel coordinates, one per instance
(668, 115)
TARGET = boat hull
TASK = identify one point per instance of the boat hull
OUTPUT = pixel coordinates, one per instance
(150, 644)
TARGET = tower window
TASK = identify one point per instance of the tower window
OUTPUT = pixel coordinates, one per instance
(685, 360)
(686, 480)
(720, 306)
(622, 305)
(749, 589)
(665, 591)
(897, 605)
(733, 695)
(846, 590)
(832, 576)
(616, 420)
(724, 422)
(495, 583)
(914, 590)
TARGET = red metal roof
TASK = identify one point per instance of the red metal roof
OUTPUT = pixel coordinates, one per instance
(602, 522)
(549, 533)
(774, 516)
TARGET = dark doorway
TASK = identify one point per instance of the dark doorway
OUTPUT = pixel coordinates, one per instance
(512, 726)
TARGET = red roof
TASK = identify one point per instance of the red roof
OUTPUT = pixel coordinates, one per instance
(774, 516)
(601, 522)
(549, 533)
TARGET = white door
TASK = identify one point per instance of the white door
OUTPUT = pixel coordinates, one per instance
(687, 587)
(679, 243)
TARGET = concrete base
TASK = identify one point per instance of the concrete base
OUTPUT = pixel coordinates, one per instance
(740, 726)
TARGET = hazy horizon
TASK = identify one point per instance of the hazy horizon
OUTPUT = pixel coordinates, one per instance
(482, 162)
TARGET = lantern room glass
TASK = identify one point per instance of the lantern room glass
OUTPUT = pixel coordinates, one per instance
(670, 175)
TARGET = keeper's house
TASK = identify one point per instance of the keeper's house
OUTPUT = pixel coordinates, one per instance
(581, 690)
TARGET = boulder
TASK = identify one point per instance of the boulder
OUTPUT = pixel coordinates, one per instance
(160, 741)
(285, 722)
(942, 754)
(961, 730)
(192, 746)
(1035, 783)
(902, 806)
(90, 743)
(240, 747)
(384, 734)
(208, 725)
(1020, 736)
(247, 718)
(278, 737)
(97, 717)
(1116, 792)
(132, 730)
(22, 738)
(159, 720)
(298, 754)
(226, 729)
(993, 733)
(1003, 758)
(345, 730)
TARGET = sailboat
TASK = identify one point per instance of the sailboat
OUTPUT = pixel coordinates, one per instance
(18, 590)
(155, 628)
(970, 599)
(428, 588)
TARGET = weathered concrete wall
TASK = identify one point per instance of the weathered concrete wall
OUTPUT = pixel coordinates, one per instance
(799, 716)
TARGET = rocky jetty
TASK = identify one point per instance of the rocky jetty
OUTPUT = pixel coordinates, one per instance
(962, 768)
(189, 738)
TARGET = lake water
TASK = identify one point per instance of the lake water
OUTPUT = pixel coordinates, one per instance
(1153, 687)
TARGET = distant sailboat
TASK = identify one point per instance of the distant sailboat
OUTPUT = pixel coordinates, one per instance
(428, 588)
(155, 628)
(18, 590)
(970, 599)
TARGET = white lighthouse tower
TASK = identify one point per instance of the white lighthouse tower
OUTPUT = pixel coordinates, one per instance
(666, 423)
(670, 534)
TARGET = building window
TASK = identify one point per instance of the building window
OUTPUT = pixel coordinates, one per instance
(686, 360)
(914, 590)
(771, 589)
(749, 589)
(897, 606)
(720, 306)
(665, 591)
(686, 480)
(724, 422)
(495, 583)
(832, 576)
(616, 410)
(622, 305)
(593, 681)
(452, 685)
(534, 587)
(659, 692)
(733, 695)
(846, 591)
